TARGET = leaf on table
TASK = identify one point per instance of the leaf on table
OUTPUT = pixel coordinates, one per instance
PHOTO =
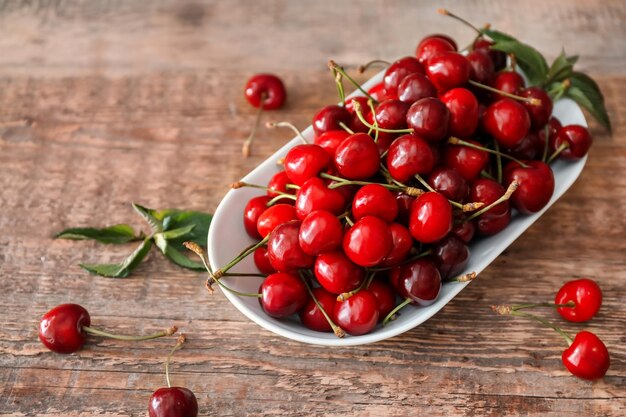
(149, 215)
(118, 233)
(180, 259)
(125, 268)
(584, 91)
(177, 219)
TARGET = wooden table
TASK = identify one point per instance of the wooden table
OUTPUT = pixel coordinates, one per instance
(104, 103)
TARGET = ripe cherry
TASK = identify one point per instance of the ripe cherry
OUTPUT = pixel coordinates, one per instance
(368, 242)
(357, 125)
(464, 231)
(305, 161)
(508, 81)
(311, 315)
(495, 219)
(554, 125)
(430, 218)
(420, 281)
(399, 69)
(329, 118)
(279, 182)
(469, 162)
(283, 294)
(576, 138)
(358, 314)
(414, 87)
(587, 298)
(404, 206)
(262, 261)
(450, 256)
(463, 108)
(447, 70)
(432, 45)
(507, 121)
(497, 57)
(320, 232)
(385, 297)
(530, 147)
(284, 251)
(409, 155)
(357, 157)
(330, 141)
(374, 200)
(536, 185)
(266, 90)
(378, 93)
(391, 114)
(539, 113)
(338, 274)
(315, 195)
(251, 213)
(402, 243)
(273, 217)
(450, 183)
(587, 357)
(481, 66)
(428, 117)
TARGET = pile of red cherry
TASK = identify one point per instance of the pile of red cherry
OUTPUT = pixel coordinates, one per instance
(379, 210)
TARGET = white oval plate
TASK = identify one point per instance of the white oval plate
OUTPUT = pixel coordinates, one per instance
(227, 237)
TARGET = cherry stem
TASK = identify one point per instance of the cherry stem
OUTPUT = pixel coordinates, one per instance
(179, 344)
(546, 133)
(569, 304)
(290, 126)
(464, 277)
(412, 191)
(531, 100)
(241, 184)
(95, 332)
(339, 332)
(487, 175)
(446, 12)
(338, 77)
(370, 104)
(245, 148)
(348, 220)
(464, 207)
(392, 314)
(333, 65)
(363, 68)
(280, 197)
(509, 191)
(250, 249)
(496, 147)
(456, 141)
(557, 92)
(357, 111)
(508, 310)
(346, 128)
(406, 261)
(556, 153)
(365, 284)
(292, 186)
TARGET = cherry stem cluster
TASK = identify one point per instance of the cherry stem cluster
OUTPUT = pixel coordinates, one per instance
(333, 66)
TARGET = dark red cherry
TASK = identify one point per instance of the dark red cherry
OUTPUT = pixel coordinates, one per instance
(305, 161)
(399, 69)
(530, 147)
(284, 251)
(330, 141)
(539, 113)
(481, 66)
(463, 108)
(329, 118)
(431, 217)
(338, 274)
(315, 195)
(428, 117)
(404, 206)
(262, 261)
(469, 162)
(320, 232)
(431, 46)
(273, 217)
(358, 314)
(536, 185)
(61, 329)
(586, 295)
(357, 125)
(409, 155)
(312, 317)
(402, 243)
(266, 90)
(173, 402)
(507, 121)
(447, 70)
(251, 213)
(357, 157)
(385, 297)
(283, 294)
(508, 81)
(497, 57)
(420, 281)
(554, 125)
(587, 357)
(391, 114)
(450, 183)
(577, 138)
(450, 256)
(414, 87)
(279, 182)
(374, 200)
(368, 242)
(487, 191)
(464, 231)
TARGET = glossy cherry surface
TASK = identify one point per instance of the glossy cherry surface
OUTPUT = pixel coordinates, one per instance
(487, 191)
(61, 329)
(447, 70)
(284, 251)
(391, 114)
(539, 113)
(509, 82)
(315, 195)
(279, 182)
(586, 295)
(385, 297)
(358, 314)
(402, 243)
(337, 273)
(497, 57)
(368, 242)
(409, 155)
(429, 118)
(173, 402)
(432, 45)
(274, 216)
(450, 256)
(463, 108)
(374, 200)
(399, 69)
(587, 357)
(357, 157)
(450, 183)
(305, 161)
(251, 213)
(577, 138)
(464, 231)
(311, 315)
(414, 87)
(536, 185)
(262, 261)
(482, 68)
(330, 141)
(507, 121)
(431, 217)
(283, 294)
(320, 232)
(469, 162)
(420, 281)
(265, 90)
(329, 117)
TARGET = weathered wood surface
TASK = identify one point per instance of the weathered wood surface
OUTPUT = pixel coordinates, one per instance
(103, 103)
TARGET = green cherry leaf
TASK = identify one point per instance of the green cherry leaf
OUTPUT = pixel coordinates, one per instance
(125, 268)
(528, 58)
(177, 219)
(585, 91)
(149, 215)
(561, 68)
(118, 233)
(497, 36)
(174, 254)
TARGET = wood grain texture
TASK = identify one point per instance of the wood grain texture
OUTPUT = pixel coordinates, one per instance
(103, 103)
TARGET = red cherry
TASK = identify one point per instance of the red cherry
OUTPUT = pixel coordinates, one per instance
(385, 297)
(409, 155)
(463, 108)
(315, 195)
(312, 317)
(338, 274)
(391, 114)
(507, 121)
(262, 261)
(536, 185)
(284, 251)
(414, 87)
(469, 162)
(497, 57)
(450, 256)
(374, 200)
(578, 139)
(283, 294)
(587, 298)
(487, 191)
(402, 243)
(508, 81)
(554, 125)
(368, 241)
(279, 182)
(428, 117)
(378, 93)
(450, 183)
(320, 232)
(481, 66)
(430, 218)
(274, 216)
(529, 147)
(420, 281)
(539, 113)
(358, 314)
(330, 141)
(587, 357)
(431, 46)
(173, 402)
(357, 157)
(329, 117)
(266, 90)
(251, 213)
(61, 329)
(404, 206)
(399, 69)
(464, 231)
(305, 161)
(447, 70)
